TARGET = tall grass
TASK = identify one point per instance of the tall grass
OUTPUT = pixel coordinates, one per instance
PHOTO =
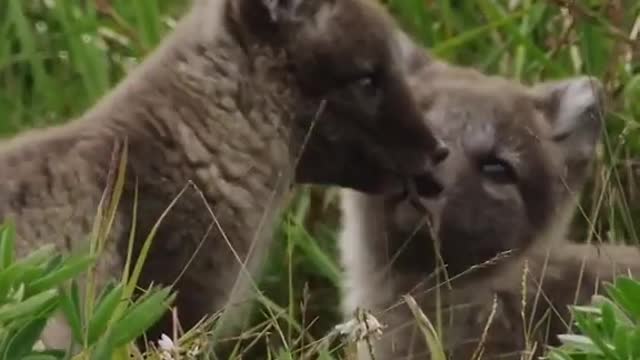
(57, 57)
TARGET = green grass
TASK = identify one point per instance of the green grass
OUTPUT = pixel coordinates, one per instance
(58, 57)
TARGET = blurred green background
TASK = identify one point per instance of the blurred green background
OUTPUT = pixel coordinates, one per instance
(58, 56)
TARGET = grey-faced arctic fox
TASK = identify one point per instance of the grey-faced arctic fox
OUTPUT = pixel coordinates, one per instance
(519, 156)
(243, 99)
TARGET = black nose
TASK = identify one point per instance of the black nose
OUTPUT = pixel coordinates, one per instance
(427, 185)
(440, 153)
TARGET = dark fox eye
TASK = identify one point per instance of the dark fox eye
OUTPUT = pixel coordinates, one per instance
(498, 170)
(366, 84)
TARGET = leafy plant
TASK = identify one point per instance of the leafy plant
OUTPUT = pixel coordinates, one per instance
(608, 329)
(30, 292)
(33, 288)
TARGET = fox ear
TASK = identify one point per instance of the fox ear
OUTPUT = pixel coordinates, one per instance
(279, 11)
(413, 56)
(268, 15)
(574, 108)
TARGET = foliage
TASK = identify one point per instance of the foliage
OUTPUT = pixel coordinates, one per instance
(609, 328)
(34, 288)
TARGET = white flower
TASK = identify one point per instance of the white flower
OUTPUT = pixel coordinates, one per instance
(358, 329)
(86, 38)
(41, 27)
(167, 347)
(165, 343)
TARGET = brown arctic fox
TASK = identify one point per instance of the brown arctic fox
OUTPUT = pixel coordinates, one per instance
(518, 159)
(245, 98)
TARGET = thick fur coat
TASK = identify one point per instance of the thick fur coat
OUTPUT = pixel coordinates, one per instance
(519, 158)
(244, 99)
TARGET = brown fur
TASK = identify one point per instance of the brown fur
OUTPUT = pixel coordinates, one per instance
(519, 157)
(226, 102)
(554, 278)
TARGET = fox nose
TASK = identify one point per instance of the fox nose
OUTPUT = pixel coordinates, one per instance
(440, 153)
(426, 182)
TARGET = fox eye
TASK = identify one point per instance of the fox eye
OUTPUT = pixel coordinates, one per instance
(498, 170)
(367, 84)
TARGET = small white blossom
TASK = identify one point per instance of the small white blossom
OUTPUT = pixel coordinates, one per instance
(86, 38)
(63, 55)
(41, 27)
(167, 347)
(165, 343)
(360, 328)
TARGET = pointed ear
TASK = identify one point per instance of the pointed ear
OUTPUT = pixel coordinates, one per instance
(575, 109)
(413, 56)
(279, 11)
(270, 15)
